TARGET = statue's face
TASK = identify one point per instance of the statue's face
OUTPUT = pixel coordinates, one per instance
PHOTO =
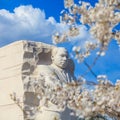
(60, 58)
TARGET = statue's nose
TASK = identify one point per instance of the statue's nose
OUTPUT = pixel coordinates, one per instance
(65, 58)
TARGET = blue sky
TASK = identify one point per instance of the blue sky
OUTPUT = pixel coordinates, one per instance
(37, 20)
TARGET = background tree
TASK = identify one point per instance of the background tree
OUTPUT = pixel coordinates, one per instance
(102, 21)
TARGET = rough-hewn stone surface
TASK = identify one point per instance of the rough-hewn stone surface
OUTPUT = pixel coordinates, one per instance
(17, 64)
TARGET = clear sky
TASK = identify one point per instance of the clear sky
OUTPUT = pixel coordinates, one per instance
(37, 20)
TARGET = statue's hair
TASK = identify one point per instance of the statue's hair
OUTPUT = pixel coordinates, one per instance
(56, 49)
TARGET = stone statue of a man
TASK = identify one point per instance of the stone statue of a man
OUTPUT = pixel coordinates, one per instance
(61, 68)
(58, 71)
(59, 65)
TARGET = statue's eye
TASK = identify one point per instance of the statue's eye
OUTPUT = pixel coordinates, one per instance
(63, 55)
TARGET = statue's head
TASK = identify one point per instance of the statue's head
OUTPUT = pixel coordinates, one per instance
(60, 57)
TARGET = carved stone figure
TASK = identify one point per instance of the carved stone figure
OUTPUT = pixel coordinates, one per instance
(23, 67)
(59, 67)
(59, 71)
